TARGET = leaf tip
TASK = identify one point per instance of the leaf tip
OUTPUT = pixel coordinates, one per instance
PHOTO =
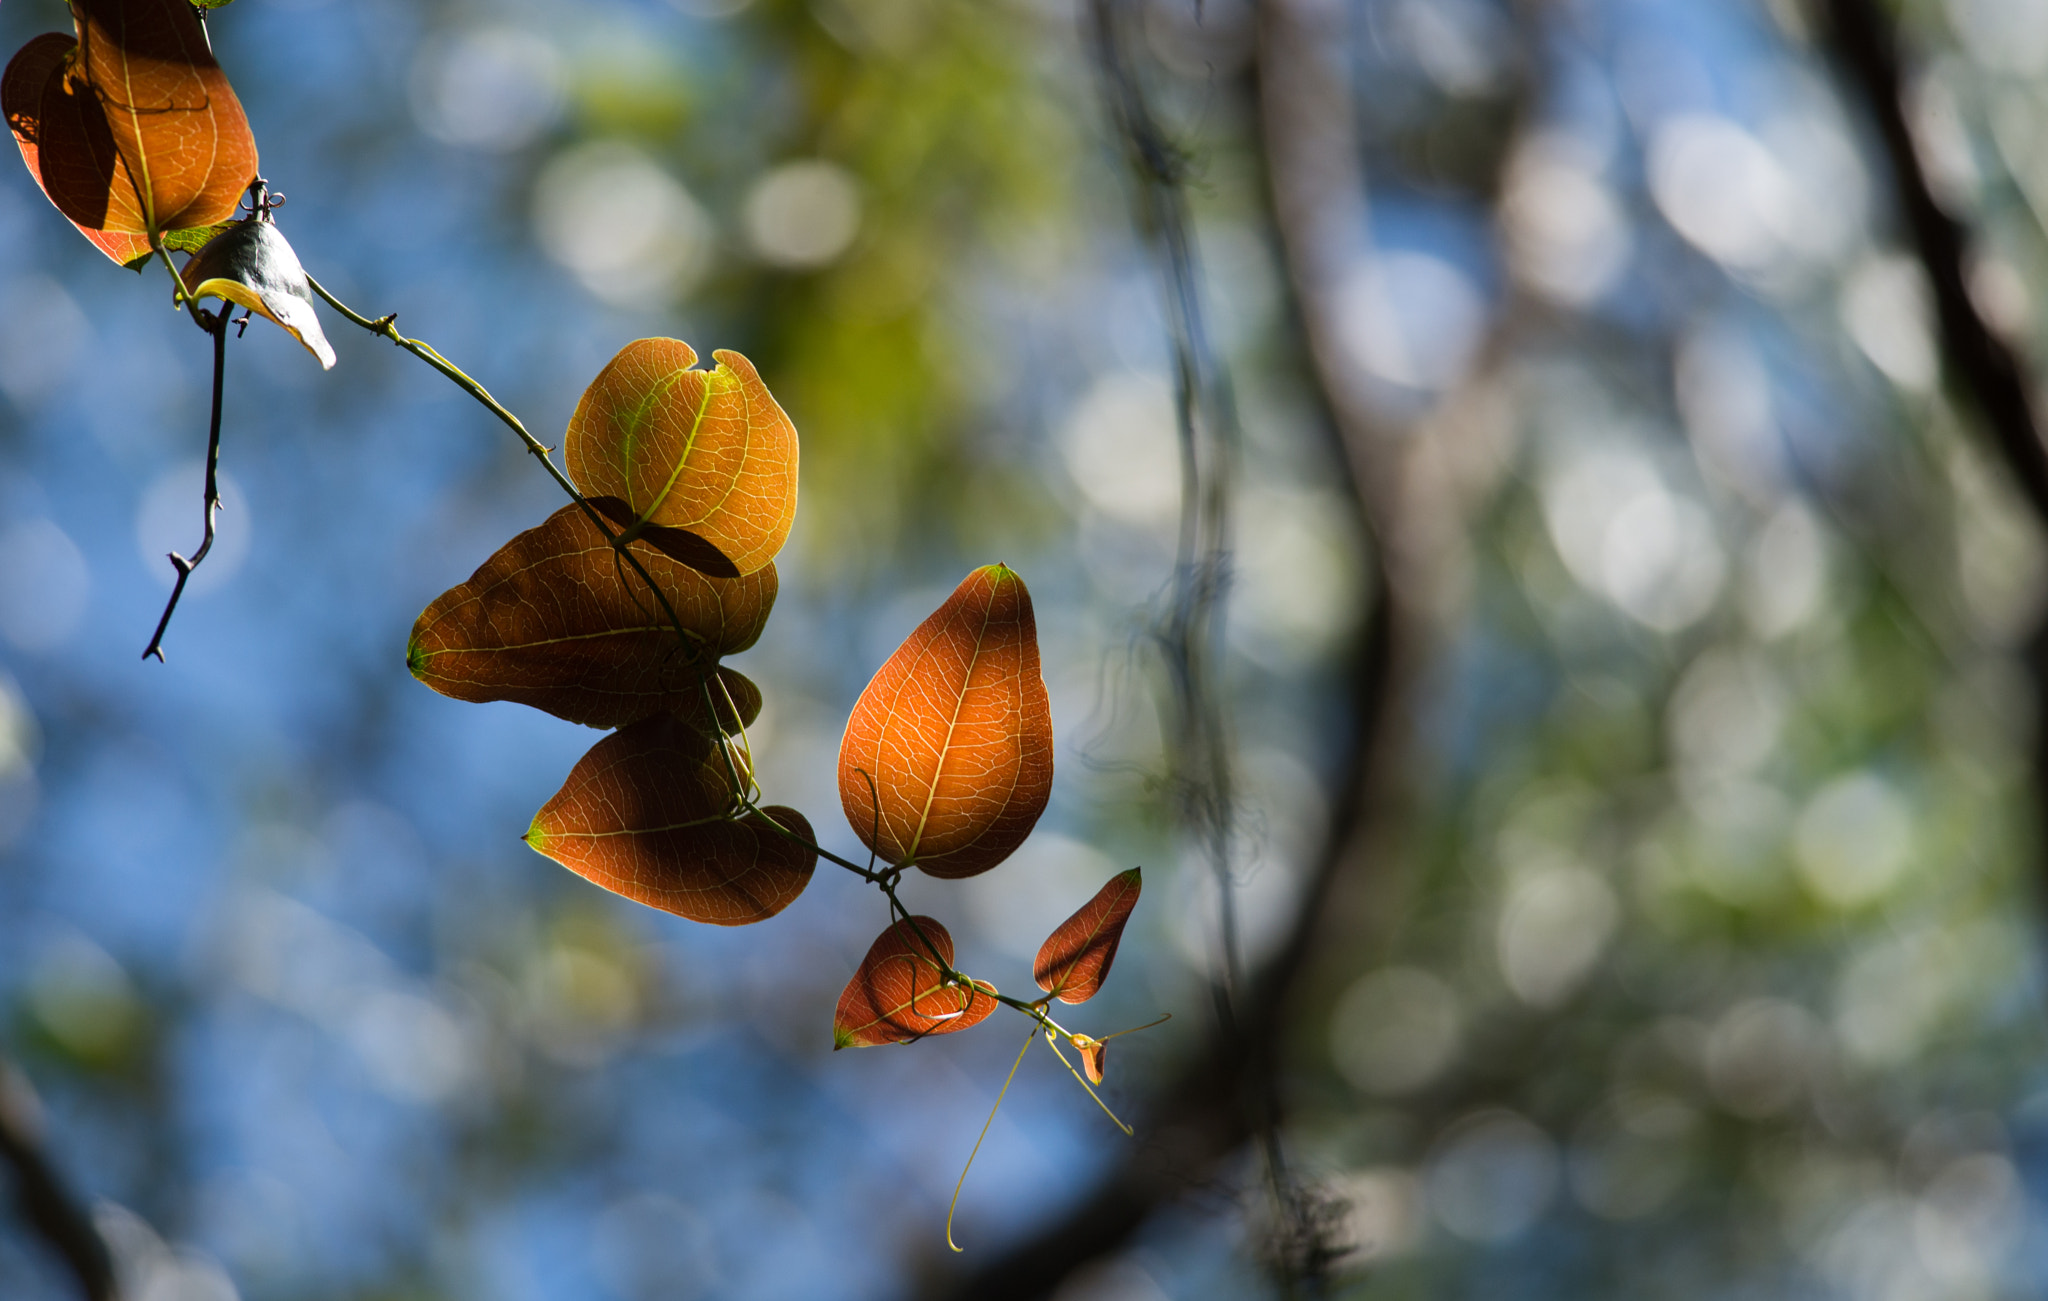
(536, 837)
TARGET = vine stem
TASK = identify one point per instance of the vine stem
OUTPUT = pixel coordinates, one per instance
(386, 327)
(217, 326)
(983, 1135)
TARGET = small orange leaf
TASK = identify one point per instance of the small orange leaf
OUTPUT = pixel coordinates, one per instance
(705, 451)
(135, 124)
(648, 814)
(955, 733)
(558, 621)
(898, 995)
(1074, 960)
(1092, 1051)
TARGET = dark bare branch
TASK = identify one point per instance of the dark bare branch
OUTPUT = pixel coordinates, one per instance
(41, 1196)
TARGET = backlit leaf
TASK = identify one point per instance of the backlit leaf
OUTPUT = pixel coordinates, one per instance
(250, 264)
(136, 127)
(899, 994)
(21, 98)
(707, 451)
(557, 620)
(647, 813)
(1074, 960)
(955, 733)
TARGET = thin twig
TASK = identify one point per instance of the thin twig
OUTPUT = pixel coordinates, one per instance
(218, 328)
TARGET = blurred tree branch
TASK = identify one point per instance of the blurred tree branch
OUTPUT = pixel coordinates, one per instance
(1860, 39)
(1227, 1095)
(40, 1195)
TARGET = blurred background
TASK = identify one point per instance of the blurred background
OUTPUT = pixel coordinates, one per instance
(1680, 937)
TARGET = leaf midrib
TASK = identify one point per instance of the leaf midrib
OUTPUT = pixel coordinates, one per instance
(952, 725)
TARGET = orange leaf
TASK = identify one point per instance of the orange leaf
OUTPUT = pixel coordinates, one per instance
(707, 451)
(956, 735)
(647, 814)
(1074, 960)
(136, 126)
(558, 621)
(21, 98)
(898, 995)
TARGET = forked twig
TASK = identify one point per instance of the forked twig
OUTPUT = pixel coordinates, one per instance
(218, 327)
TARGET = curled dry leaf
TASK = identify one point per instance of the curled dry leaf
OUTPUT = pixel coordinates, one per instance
(648, 813)
(557, 620)
(134, 126)
(955, 733)
(250, 264)
(1092, 1051)
(899, 994)
(704, 451)
(1074, 960)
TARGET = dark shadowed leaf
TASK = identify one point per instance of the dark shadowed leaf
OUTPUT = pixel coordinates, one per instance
(557, 620)
(707, 451)
(899, 993)
(135, 126)
(956, 735)
(250, 264)
(1074, 960)
(677, 544)
(647, 813)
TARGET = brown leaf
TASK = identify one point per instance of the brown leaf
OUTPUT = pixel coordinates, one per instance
(707, 451)
(250, 264)
(956, 735)
(557, 620)
(647, 814)
(898, 995)
(136, 126)
(1074, 960)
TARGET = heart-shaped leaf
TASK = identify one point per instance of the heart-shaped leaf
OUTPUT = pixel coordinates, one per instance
(707, 451)
(1074, 960)
(955, 734)
(250, 264)
(135, 126)
(900, 995)
(557, 620)
(648, 813)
